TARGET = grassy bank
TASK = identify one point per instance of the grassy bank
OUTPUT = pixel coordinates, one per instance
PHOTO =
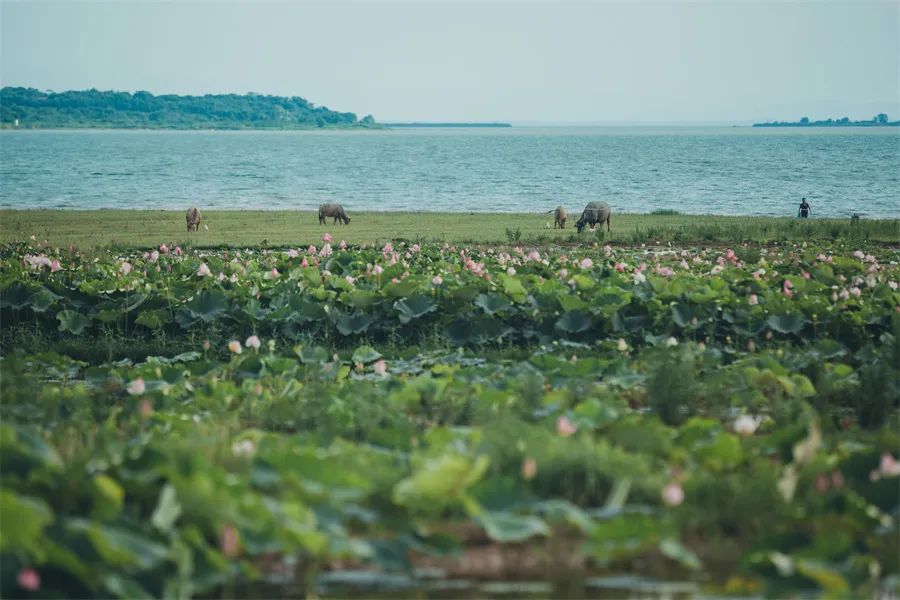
(143, 228)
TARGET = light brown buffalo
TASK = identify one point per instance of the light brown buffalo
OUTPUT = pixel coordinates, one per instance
(192, 218)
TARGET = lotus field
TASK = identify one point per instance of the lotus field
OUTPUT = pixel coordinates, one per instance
(447, 421)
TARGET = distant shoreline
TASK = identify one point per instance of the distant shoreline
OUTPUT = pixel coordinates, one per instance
(449, 124)
(879, 120)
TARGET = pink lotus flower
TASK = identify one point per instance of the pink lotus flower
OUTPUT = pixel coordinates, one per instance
(378, 270)
(154, 256)
(293, 253)
(234, 347)
(327, 237)
(312, 251)
(844, 295)
(437, 280)
(229, 542)
(350, 279)
(253, 342)
(305, 263)
(786, 288)
(529, 468)
(753, 300)
(145, 408)
(510, 271)
(534, 255)
(586, 263)
(563, 273)
(859, 254)
(203, 271)
(380, 367)
(565, 427)
(29, 580)
(607, 249)
(665, 271)
(243, 448)
(125, 268)
(54, 266)
(136, 387)
(326, 251)
(178, 251)
(233, 278)
(888, 466)
(855, 292)
(273, 274)
(343, 245)
(620, 267)
(388, 248)
(164, 249)
(745, 425)
(415, 248)
(673, 494)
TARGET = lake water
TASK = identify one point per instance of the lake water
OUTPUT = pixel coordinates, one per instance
(736, 171)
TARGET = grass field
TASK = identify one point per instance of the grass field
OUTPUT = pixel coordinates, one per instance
(89, 229)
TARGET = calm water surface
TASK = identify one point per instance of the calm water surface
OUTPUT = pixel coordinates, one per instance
(522, 169)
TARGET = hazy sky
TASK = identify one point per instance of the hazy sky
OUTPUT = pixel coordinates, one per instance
(588, 62)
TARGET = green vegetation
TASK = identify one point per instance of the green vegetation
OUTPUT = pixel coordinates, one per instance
(27, 108)
(448, 124)
(143, 228)
(879, 120)
(393, 419)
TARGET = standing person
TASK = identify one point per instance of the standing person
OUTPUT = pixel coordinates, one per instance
(804, 209)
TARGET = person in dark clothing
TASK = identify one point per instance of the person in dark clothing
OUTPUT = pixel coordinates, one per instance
(804, 209)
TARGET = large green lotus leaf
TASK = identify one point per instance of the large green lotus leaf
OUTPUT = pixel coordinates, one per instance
(339, 263)
(574, 321)
(308, 310)
(789, 323)
(250, 367)
(462, 332)
(312, 355)
(119, 547)
(71, 320)
(360, 298)
(509, 528)
(414, 307)
(401, 289)
(353, 324)
(682, 314)
(492, 303)
(123, 587)
(625, 535)
(208, 305)
(24, 520)
(365, 354)
(167, 509)
(570, 302)
(43, 299)
(153, 319)
(678, 552)
(513, 288)
(16, 296)
(562, 510)
(439, 481)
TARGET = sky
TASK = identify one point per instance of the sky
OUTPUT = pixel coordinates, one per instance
(562, 62)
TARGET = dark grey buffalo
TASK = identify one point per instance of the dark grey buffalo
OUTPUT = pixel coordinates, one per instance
(333, 210)
(594, 212)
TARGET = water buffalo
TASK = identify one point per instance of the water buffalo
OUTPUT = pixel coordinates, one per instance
(192, 218)
(559, 217)
(594, 212)
(333, 210)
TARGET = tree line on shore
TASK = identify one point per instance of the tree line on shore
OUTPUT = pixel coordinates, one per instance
(29, 108)
(879, 120)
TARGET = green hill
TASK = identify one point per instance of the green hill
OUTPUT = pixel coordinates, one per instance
(28, 108)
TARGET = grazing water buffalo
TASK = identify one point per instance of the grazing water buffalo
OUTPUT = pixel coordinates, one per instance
(192, 218)
(333, 210)
(559, 217)
(594, 212)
